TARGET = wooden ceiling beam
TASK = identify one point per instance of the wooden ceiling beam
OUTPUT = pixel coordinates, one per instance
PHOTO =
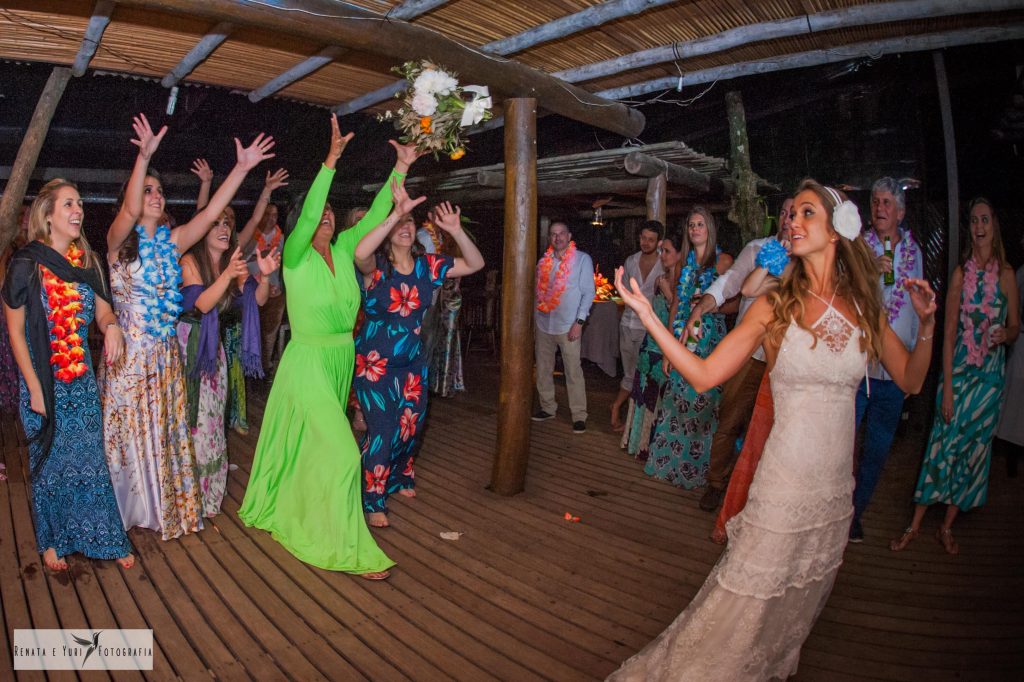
(203, 49)
(869, 49)
(93, 33)
(588, 18)
(807, 24)
(326, 23)
(410, 9)
(647, 166)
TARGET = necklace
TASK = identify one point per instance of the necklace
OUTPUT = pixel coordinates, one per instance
(549, 298)
(905, 257)
(977, 318)
(65, 303)
(159, 282)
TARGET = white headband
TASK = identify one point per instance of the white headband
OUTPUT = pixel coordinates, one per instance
(845, 216)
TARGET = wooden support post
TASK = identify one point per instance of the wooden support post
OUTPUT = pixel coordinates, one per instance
(952, 181)
(657, 207)
(745, 210)
(515, 394)
(28, 153)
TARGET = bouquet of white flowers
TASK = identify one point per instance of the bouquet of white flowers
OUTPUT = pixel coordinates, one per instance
(435, 109)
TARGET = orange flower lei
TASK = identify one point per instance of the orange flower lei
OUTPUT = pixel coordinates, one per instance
(65, 302)
(549, 300)
(263, 244)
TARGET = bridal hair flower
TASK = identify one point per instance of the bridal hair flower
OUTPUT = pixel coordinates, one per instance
(845, 216)
(435, 109)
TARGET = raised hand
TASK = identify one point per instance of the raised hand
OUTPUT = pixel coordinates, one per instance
(407, 155)
(145, 139)
(236, 266)
(269, 263)
(203, 170)
(922, 298)
(631, 296)
(447, 219)
(338, 142)
(251, 156)
(279, 178)
(403, 202)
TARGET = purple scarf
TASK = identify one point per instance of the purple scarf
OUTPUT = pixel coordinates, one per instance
(209, 332)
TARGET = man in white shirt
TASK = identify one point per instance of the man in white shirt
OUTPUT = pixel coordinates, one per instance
(564, 293)
(740, 392)
(645, 266)
(881, 410)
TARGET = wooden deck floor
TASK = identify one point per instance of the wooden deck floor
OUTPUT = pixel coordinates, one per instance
(523, 594)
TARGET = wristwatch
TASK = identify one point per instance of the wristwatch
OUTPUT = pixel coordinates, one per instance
(581, 322)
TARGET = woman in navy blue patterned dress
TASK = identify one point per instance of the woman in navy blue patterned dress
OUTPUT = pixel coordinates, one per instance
(53, 290)
(391, 368)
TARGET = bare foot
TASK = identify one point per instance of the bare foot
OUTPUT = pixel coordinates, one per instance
(718, 537)
(617, 425)
(53, 562)
(378, 575)
(377, 520)
(407, 492)
(127, 561)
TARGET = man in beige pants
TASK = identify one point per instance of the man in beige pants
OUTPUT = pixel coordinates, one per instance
(564, 293)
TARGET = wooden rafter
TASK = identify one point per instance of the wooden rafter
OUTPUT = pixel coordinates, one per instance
(410, 9)
(203, 49)
(93, 33)
(588, 18)
(327, 23)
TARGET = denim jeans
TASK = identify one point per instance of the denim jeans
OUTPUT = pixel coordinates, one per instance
(882, 412)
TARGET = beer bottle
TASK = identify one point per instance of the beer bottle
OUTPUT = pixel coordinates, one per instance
(691, 340)
(889, 278)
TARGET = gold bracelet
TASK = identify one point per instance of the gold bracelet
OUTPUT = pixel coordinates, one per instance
(926, 338)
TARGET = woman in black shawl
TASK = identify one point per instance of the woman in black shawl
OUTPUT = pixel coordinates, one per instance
(53, 289)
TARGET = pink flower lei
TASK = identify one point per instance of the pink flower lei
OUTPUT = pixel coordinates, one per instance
(976, 339)
(549, 298)
(903, 269)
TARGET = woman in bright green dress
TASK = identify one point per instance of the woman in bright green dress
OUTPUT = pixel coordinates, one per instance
(304, 487)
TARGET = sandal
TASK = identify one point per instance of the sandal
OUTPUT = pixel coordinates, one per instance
(901, 543)
(378, 575)
(945, 538)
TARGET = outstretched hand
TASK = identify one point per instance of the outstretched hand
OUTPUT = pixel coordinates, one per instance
(278, 178)
(201, 168)
(338, 142)
(407, 155)
(269, 263)
(631, 295)
(145, 139)
(446, 218)
(403, 202)
(251, 156)
(922, 298)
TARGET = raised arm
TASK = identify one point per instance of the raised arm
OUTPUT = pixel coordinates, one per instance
(278, 178)
(449, 220)
(214, 292)
(367, 246)
(407, 155)
(908, 368)
(131, 208)
(248, 157)
(299, 242)
(727, 358)
(202, 169)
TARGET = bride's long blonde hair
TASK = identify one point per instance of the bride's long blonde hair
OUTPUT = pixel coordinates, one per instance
(856, 280)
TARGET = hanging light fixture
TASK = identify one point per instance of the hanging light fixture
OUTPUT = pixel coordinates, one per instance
(597, 221)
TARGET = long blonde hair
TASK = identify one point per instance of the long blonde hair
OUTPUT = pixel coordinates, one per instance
(998, 252)
(39, 223)
(856, 280)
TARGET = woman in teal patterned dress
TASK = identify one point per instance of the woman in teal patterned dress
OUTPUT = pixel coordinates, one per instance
(686, 421)
(649, 379)
(981, 319)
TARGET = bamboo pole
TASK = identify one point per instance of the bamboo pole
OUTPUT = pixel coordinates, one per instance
(515, 393)
(28, 153)
(952, 179)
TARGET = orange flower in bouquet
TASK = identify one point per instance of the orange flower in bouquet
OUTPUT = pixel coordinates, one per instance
(605, 289)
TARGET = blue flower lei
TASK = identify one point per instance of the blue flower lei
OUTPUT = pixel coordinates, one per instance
(692, 280)
(159, 282)
(773, 257)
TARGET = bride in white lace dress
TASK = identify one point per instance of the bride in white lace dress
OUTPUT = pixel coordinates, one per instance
(819, 330)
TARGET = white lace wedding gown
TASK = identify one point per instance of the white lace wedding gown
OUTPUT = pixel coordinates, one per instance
(759, 602)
